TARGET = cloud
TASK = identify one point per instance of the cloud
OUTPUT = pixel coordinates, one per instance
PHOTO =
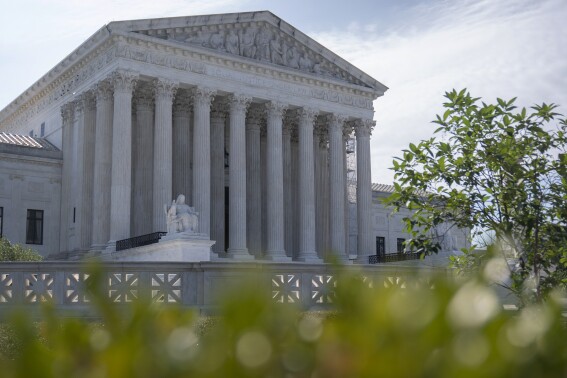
(502, 48)
(35, 35)
(495, 49)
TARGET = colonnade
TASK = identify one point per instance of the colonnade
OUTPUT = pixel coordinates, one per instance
(141, 143)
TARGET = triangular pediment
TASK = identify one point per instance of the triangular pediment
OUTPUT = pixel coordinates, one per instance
(256, 36)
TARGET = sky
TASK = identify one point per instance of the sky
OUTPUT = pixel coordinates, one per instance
(419, 49)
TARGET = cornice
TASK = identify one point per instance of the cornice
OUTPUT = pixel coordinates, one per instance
(104, 47)
(169, 27)
(58, 74)
(211, 56)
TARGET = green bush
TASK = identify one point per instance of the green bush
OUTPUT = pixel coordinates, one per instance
(429, 327)
(16, 252)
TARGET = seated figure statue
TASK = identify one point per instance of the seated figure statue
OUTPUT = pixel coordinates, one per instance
(181, 217)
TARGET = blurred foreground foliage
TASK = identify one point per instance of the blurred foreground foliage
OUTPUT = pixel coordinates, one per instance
(430, 327)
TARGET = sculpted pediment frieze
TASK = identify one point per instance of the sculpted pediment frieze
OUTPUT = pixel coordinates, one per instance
(257, 41)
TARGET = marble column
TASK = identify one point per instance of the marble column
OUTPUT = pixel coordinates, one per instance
(364, 190)
(86, 171)
(75, 195)
(202, 98)
(274, 183)
(163, 147)
(182, 148)
(325, 191)
(287, 196)
(121, 176)
(253, 181)
(347, 131)
(307, 251)
(337, 187)
(295, 161)
(318, 190)
(237, 184)
(320, 146)
(219, 112)
(67, 115)
(102, 165)
(264, 185)
(143, 162)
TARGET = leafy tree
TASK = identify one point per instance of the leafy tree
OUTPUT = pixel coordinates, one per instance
(499, 171)
(15, 252)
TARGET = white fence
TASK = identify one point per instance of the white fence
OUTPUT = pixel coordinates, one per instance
(194, 285)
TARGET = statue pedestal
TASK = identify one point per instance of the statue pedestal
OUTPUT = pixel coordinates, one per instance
(178, 247)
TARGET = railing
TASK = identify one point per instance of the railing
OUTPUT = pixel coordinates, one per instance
(139, 241)
(392, 257)
(195, 285)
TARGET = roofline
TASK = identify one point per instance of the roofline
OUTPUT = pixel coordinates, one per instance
(116, 27)
(95, 40)
(256, 16)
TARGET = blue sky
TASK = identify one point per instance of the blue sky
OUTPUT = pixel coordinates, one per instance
(420, 49)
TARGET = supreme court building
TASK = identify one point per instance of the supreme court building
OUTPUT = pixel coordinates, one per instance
(242, 113)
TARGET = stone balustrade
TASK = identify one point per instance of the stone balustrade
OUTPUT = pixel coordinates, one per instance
(192, 285)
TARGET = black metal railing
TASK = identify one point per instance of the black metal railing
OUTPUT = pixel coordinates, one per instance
(392, 257)
(139, 241)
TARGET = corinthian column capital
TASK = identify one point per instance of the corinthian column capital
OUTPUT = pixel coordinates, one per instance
(79, 105)
(239, 102)
(124, 80)
(68, 112)
(336, 122)
(89, 100)
(182, 102)
(255, 117)
(203, 96)
(144, 96)
(363, 128)
(103, 91)
(165, 88)
(219, 108)
(276, 109)
(307, 115)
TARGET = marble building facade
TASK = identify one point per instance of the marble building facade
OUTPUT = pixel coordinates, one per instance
(244, 114)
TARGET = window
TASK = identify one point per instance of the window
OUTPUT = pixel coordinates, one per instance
(380, 245)
(401, 245)
(42, 130)
(31, 133)
(1, 220)
(34, 228)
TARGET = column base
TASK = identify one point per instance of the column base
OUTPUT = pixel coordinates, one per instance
(239, 254)
(310, 260)
(278, 256)
(309, 257)
(97, 248)
(110, 247)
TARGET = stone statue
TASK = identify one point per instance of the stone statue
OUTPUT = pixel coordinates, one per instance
(247, 44)
(260, 43)
(305, 64)
(217, 41)
(263, 45)
(180, 217)
(292, 57)
(276, 51)
(232, 43)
